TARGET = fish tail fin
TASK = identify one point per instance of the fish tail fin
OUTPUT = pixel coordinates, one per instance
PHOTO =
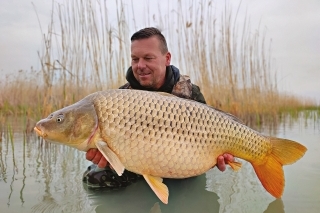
(287, 151)
(270, 173)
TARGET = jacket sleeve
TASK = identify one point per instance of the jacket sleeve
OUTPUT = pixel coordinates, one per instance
(197, 95)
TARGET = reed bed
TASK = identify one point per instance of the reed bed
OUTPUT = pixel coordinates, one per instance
(85, 50)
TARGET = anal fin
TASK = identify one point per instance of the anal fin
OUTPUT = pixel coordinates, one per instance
(159, 188)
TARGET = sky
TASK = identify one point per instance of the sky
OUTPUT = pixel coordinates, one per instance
(292, 25)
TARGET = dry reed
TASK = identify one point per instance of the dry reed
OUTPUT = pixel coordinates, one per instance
(84, 51)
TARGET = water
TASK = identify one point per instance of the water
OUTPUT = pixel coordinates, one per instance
(39, 177)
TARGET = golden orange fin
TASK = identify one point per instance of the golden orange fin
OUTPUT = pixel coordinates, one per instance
(287, 151)
(270, 173)
(159, 188)
(271, 176)
(235, 165)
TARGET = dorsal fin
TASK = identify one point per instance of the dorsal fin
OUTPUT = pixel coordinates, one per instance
(232, 117)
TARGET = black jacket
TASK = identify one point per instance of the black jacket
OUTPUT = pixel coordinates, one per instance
(172, 78)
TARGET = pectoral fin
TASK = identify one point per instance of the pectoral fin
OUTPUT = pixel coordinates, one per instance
(159, 188)
(111, 157)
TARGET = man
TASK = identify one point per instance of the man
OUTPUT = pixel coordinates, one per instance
(150, 70)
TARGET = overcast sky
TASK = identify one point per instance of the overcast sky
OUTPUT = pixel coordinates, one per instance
(293, 26)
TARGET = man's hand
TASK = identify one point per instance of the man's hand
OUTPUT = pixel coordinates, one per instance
(223, 160)
(96, 157)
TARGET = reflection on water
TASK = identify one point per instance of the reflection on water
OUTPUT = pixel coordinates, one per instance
(229, 185)
(275, 206)
(36, 177)
(188, 195)
(39, 177)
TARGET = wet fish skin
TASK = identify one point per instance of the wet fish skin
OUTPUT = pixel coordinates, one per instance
(160, 135)
(73, 125)
(182, 133)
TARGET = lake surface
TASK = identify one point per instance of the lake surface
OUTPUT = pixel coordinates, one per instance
(39, 177)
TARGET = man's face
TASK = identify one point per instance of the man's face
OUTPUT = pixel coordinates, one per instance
(148, 63)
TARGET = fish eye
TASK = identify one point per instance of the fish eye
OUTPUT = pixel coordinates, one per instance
(59, 119)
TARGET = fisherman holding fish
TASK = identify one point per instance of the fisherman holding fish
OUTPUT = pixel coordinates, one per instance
(160, 135)
(150, 70)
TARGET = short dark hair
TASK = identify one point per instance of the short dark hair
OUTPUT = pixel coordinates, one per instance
(148, 32)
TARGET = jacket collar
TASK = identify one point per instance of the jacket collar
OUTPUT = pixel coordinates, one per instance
(172, 77)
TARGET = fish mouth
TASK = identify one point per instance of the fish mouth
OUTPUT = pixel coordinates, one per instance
(39, 132)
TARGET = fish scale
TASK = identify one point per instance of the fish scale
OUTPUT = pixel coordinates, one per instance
(159, 135)
(194, 118)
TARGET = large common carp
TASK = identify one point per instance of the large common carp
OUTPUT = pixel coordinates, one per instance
(159, 135)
